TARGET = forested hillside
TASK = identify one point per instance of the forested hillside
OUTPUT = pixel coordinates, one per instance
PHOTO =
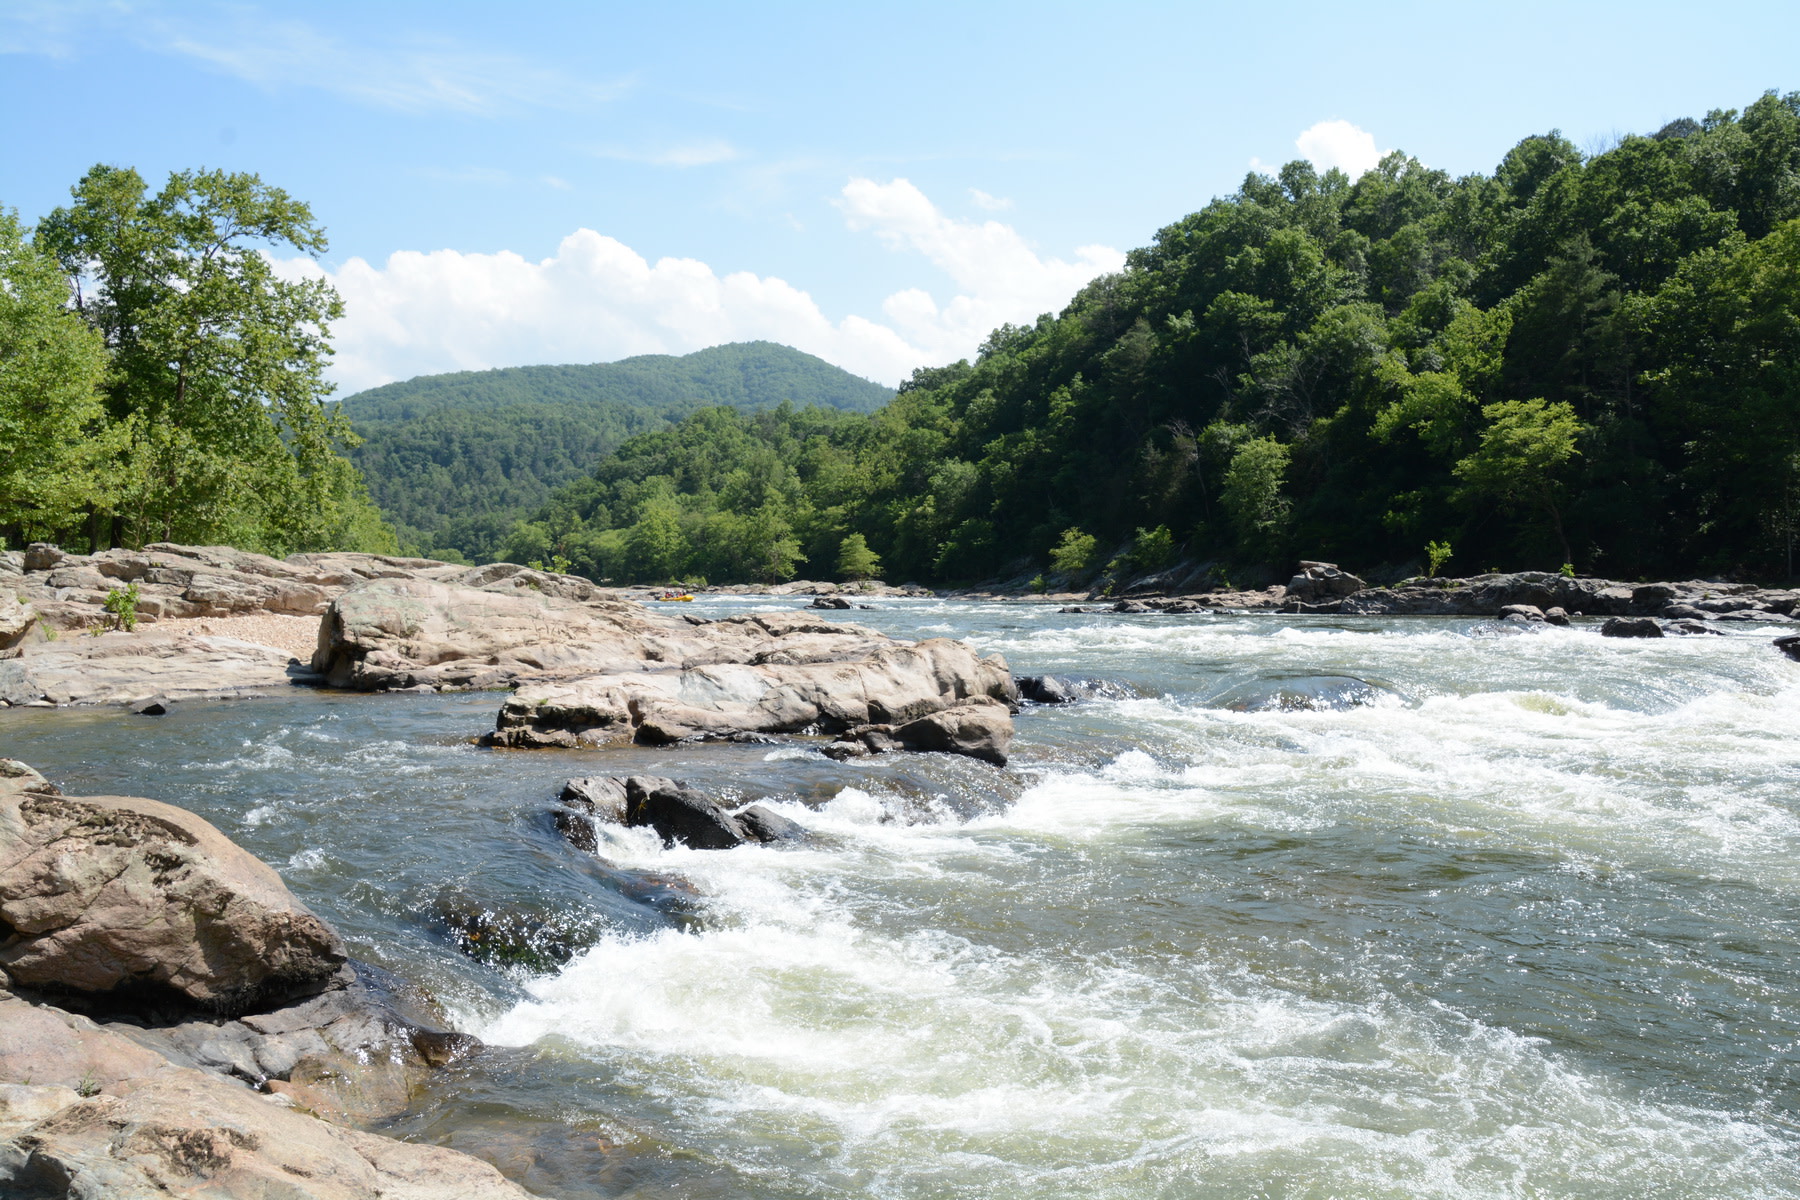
(454, 460)
(1583, 360)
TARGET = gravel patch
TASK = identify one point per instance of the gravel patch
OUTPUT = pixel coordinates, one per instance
(294, 636)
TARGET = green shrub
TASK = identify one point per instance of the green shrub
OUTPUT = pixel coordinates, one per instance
(121, 604)
(1436, 555)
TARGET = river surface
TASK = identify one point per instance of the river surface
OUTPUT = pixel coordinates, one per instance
(1306, 907)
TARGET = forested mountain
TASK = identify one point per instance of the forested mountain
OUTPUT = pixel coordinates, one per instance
(454, 460)
(1585, 360)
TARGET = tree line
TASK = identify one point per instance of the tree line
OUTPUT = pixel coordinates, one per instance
(455, 460)
(1583, 360)
(160, 380)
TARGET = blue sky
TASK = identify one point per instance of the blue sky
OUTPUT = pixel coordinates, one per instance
(877, 184)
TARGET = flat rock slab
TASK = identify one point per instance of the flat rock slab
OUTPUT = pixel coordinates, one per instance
(127, 668)
(896, 682)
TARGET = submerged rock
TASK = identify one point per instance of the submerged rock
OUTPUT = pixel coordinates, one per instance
(1789, 645)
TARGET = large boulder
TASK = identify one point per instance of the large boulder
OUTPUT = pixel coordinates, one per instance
(1631, 627)
(404, 633)
(1322, 582)
(124, 901)
(981, 728)
(802, 686)
(1789, 645)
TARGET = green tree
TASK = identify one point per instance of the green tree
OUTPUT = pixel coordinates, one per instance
(856, 560)
(1152, 549)
(1522, 459)
(1075, 552)
(217, 359)
(54, 436)
(1252, 494)
(655, 548)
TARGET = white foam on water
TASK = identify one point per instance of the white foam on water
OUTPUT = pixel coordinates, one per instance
(945, 1067)
(863, 995)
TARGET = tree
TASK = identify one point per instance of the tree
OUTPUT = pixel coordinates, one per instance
(1074, 553)
(1252, 495)
(1521, 459)
(856, 560)
(54, 436)
(217, 360)
(656, 548)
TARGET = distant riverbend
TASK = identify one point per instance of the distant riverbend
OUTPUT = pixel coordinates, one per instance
(1291, 905)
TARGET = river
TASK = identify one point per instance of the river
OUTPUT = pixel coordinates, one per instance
(1306, 907)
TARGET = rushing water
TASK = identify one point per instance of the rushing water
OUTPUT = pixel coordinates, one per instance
(1308, 907)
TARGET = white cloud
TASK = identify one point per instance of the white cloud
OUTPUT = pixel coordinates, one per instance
(1339, 144)
(596, 300)
(999, 276)
(991, 203)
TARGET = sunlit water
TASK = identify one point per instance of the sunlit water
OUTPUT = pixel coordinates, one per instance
(1315, 908)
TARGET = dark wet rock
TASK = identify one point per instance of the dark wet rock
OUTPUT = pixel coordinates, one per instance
(1789, 645)
(131, 901)
(681, 814)
(831, 602)
(766, 825)
(1631, 627)
(1069, 689)
(1322, 582)
(1556, 615)
(1132, 606)
(1688, 627)
(156, 706)
(1182, 607)
(979, 729)
(1073, 608)
(1044, 689)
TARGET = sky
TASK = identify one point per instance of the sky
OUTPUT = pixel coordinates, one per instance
(878, 184)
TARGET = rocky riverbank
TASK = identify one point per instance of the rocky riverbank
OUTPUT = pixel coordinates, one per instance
(173, 1022)
(1325, 588)
(588, 667)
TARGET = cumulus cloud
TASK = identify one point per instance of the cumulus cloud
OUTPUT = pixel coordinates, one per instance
(596, 300)
(998, 275)
(1339, 144)
(991, 203)
(1332, 144)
